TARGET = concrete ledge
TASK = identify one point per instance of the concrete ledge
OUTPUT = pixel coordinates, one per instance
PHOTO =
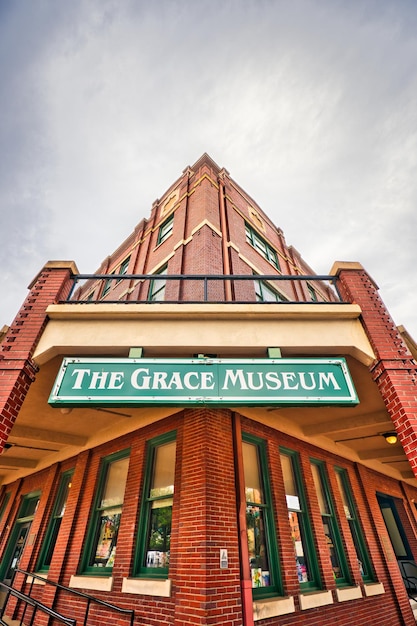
(314, 599)
(272, 607)
(348, 593)
(374, 589)
(147, 587)
(97, 583)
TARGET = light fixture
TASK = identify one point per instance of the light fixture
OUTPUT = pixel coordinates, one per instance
(390, 437)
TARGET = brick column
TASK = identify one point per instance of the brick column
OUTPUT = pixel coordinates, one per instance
(394, 370)
(17, 369)
(204, 592)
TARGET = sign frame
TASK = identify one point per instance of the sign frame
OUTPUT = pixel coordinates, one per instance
(284, 381)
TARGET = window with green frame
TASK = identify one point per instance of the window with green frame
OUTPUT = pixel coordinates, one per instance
(301, 533)
(107, 286)
(362, 554)
(165, 230)
(123, 268)
(265, 293)
(155, 518)
(330, 525)
(54, 525)
(100, 548)
(260, 526)
(257, 242)
(157, 287)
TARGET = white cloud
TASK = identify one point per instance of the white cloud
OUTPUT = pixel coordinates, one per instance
(309, 104)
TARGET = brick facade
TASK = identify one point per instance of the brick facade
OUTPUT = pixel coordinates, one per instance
(209, 508)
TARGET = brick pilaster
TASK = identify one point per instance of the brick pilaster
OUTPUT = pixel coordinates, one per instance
(394, 369)
(17, 368)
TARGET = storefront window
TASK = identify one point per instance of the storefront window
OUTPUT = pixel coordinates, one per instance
(156, 516)
(304, 555)
(55, 522)
(106, 516)
(330, 527)
(362, 555)
(259, 520)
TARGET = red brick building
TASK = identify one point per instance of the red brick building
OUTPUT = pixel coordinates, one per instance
(213, 449)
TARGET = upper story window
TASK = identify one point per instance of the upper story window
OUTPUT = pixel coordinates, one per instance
(123, 267)
(261, 246)
(154, 536)
(157, 287)
(263, 551)
(265, 293)
(107, 286)
(165, 230)
(100, 549)
(312, 293)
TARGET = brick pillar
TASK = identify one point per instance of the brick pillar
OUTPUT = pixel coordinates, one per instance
(394, 369)
(17, 369)
(205, 593)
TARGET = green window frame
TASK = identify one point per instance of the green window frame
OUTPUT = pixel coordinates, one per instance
(107, 286)
(298, 515)
(358, 538)
(260, 525)
(265, 293)
(155, 517)
(100, 547)
(312, 293)
(330, 525)
(157, 287)
(54, 525)
(27, 510)
(124, 265)
(165, 230)
(257, 242)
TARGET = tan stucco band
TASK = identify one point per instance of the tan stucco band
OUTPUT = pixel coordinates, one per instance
(340, 266)
(70, 265)
(228, 329)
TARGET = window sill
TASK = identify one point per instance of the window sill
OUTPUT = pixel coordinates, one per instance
(96, 583)
(147, 586)
(315, 599)
(348, 593)
(272, 607)
(374, 589)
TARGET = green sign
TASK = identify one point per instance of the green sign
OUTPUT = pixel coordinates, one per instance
(195, 382)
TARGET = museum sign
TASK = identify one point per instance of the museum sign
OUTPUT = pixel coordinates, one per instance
(203, 381)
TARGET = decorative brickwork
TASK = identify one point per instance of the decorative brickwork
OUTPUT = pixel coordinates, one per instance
(394, 369)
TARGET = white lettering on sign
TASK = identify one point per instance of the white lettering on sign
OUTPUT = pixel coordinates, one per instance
(144, 379)
(276, 380)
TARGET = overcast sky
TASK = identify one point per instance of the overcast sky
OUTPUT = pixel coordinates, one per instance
(311, 105)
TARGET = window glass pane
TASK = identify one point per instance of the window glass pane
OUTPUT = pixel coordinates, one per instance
(163, 478)
(115, 483)
(253, 487)
(107, 537)
(324, 508)
(297, 522)
(258, 559)
(256, 511)
(157, 554)
(346, 505)
(160, 501)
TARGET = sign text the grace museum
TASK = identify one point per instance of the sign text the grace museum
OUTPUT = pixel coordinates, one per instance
(180, 382)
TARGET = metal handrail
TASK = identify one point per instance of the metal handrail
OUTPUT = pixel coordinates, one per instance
(35, 604)
(90, 599)
(205, 279)
(410, 581)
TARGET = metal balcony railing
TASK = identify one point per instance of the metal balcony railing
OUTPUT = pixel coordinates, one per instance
(207, 288)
